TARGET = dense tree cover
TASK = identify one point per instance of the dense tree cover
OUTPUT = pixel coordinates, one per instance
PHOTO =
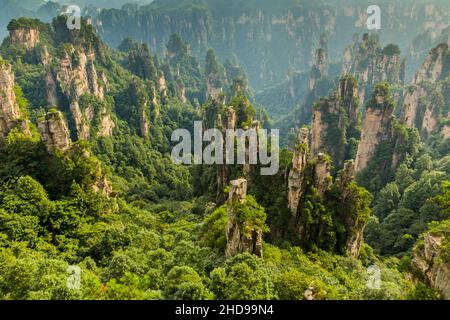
(404, 207)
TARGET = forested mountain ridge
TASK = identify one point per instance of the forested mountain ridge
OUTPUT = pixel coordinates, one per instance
(267, 37)
(87, 180)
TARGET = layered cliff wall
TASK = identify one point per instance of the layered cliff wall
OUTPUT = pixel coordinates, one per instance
(10, 114)
(242, 235)
(376, 126)
(335, 121)
(371, 64)
(424, 101)
(433, 267)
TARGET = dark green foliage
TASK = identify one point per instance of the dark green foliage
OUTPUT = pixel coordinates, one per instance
(391, 50)
(405, 206)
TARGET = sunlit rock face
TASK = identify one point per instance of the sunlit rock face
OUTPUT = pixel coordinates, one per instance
(434, 270)
(241, 236)
(10, 115)
(25, 37)
(376, 128)
(424, 101)
(54, 132)
(296, 175)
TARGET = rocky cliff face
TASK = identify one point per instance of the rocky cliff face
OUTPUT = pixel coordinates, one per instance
(354, 225)
(25, 37)
(144, 123)
(56, 137)
(213, 90)
(436, 65)
(241, 236)
(296, 175)
(77, 75)
(322, 173)
(54, 132)
(10, 115)
(320, 66)
(162, 85)
(425, 99)
(376, 126)
(427, 259)
(370, 64)
(335, 120)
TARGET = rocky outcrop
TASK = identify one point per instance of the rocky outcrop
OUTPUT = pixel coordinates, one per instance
(181, 91)
(82, 120)
(353, 224)
(144, 123)
(430, 121)
(77, 74)
(322, 173)
(229, 121)
(162, 85)
(428, 261)
(54, 132)
(376, 127)
(10, 116)
(296, 174)
(424, 100)
(76, 77)
(25, 37)
(102, 185)
(371, 64)
(242, 236)
(414, 97)
(335, 120)
(9, 109)
(436, 65)
(320, 67)
(56, 137)
(212, 90)
(446, 132)
(106, 124)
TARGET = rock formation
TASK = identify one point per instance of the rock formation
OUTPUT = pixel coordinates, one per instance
(370, 64)
(436, 65)
(77, 74)
(335, 120)
(376, 127)
(322, 173)
(54, 132)
(10, 115)
(144, 123)
(106, 124)
(162, 85)
(242, 236)
(320, 66)
(353, 224)
(428, 260)
(424, 100)
(25, 37)
(296, 174)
